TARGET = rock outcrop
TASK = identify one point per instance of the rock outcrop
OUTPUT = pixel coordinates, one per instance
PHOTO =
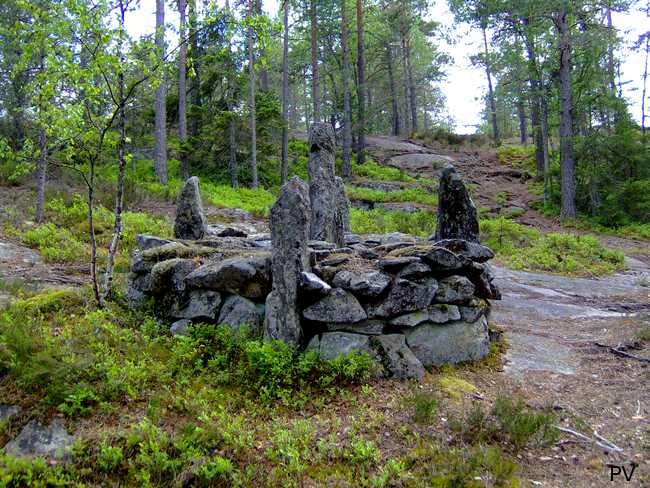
(190, 220)
(457, 218)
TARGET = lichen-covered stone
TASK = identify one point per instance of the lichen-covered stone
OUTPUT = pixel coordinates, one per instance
(405, 296)
(38, 440)
(180, 327)
(454, 289)
(483, 279)
(410, 319)
(249, 276)
(329, 214)
(190, 220)
(237, 312)
(396, 357)
(174, 249)
(475, 310)
(442, 313)
(145, 241)
(334, 344)
(368, 327)
(169, 276)
(470, 250)
(457, 218)
(366, 283)
(394, 264)
(338, 306)
(454, 342)
(199, 305)
(290, 228)
(414, 271)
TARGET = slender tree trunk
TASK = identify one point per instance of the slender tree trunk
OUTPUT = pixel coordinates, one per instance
(567, 163)
(306, 102)
(523, 123)
(195, 80)
(408, 121)
(17, 109)
(160, 107)
(412, 88)
(182, 91)
(233, 168)
(41, 174)
(284, 170)
(315, 81)
(395, 122)
(91, 234)
(264, 73)
(492, 100)
(253, 110)
(345, 75)
(645, 84)
(361, 85)
(121, 155)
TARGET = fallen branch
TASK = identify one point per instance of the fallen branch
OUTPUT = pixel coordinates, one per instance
(599, 440)
(619, 352)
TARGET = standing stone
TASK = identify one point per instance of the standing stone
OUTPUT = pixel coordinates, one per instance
(289, 221)
(329, 205)
(456, 212)
(190, 219)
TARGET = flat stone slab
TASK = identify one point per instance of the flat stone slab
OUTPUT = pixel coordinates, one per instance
(51, 441)
(416, 162)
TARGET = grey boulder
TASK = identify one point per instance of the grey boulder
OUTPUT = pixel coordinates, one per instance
(334, 344)
(396, 357)
(367, 283)
(249, 276)
(238, 312)
(169, 276)
(454, 289)
(190, 220)
(337, 307)
(38, 440)
(405, 296)
(199, 305)
(455, 342)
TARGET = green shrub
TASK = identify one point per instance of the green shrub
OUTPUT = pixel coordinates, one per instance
(520, 425)
(424, 406)
(377, 172)
(417, 195)
(382, 221)
(518, 156)
(56, 244)
(525, 248)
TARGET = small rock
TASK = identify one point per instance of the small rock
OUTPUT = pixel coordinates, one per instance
(470, 250)
(238, 311)
(367, 327)
(337, 307)
(410, 319)
(180, 327)
(406, 296)
(200, 305)
(440, 314)
(394, 264)
(414, 271)
(144, 242)
(334, 344)
(35, 439)
(367, 283)
(8, 411)
(311, 283)
(474, 310)
(397, 358)
(169, 276)
(454, 289)
(249, 276)
(321, 245)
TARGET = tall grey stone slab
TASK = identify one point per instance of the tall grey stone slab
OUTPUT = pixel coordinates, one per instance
(289, 221)
(457, 218)
(330, 215)
(190, 220)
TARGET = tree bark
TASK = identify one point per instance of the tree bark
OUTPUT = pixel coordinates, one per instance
(264, 73)
(284, 169)
(395, 122)
(41, 175)
(408, 121)
(315, 81)
(493, 104)
(182, 91)
(412, 88)
(253, 110)
(160, 130)
(345, 75)
(121, 155)
(523, 123)
(233, 168)
(361, 88)
(645, 83)
(195, 80)
(567, 163)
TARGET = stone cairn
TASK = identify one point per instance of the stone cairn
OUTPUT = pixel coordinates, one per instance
(408, 303)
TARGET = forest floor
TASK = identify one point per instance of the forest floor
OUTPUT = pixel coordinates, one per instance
(563, 333)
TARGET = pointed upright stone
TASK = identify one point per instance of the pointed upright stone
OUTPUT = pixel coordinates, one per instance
(289, 221)
(190, 220)
(330, 215)
(456, 212)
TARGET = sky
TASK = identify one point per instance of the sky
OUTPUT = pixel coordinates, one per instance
(464, 85)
